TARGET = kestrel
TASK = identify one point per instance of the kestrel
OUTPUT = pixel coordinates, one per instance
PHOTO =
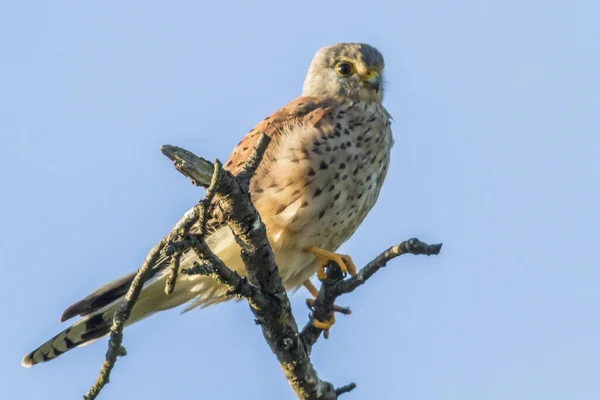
(319, 178)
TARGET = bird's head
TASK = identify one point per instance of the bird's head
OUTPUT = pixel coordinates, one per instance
(351, 71)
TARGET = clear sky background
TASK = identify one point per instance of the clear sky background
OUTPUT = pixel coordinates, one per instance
(497, 127)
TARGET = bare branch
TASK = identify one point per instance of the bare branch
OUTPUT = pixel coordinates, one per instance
(202, 217)
(121, 315)
(410, 246)
(202, 171)
(236, 285)
(182, 227)
(210, 195)
(174, 271)
(335, 284)
(345, 389)
(254, 160)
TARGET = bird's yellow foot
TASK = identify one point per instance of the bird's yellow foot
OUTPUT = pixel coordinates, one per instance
(324, 257)
(325, 325)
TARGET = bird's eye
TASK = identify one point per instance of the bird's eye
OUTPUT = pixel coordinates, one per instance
(344, 68)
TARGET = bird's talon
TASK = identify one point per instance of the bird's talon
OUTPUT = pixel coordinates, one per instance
(350, 267)
(324, 325)
(321, 274)
(342, 260)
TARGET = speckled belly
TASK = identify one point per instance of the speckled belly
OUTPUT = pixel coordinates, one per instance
(322, 186)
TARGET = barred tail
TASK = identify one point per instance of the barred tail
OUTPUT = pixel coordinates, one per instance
(81, 333)
(99, 307)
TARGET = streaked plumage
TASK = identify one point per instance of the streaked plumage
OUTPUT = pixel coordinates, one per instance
(318, 180)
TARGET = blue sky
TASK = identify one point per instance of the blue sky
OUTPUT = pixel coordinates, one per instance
(497, 152)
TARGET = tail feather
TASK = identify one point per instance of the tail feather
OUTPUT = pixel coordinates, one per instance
(99, 307)
(81, 333)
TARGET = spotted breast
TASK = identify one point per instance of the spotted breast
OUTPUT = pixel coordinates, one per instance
(325, 177)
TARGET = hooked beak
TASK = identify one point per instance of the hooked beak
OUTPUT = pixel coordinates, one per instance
(373, 80)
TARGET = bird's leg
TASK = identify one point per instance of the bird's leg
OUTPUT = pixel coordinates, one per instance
(311, 288)
(324, 257)
(325, 325)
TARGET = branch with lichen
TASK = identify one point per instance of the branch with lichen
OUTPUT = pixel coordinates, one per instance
(121, 316)
(169, 245)
(229, 199)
